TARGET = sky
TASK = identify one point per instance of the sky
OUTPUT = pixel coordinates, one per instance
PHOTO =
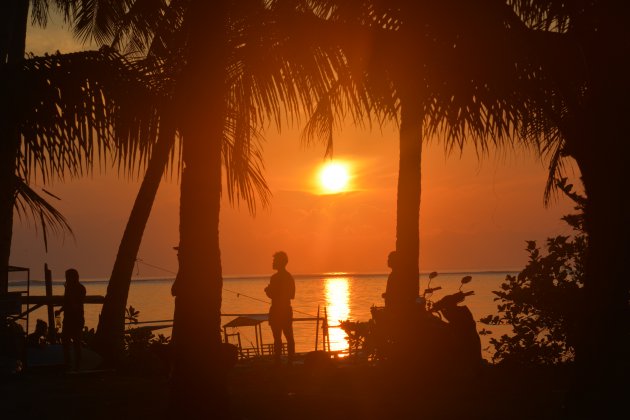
(476, 214)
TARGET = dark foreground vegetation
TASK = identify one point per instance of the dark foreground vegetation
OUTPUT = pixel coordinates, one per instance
(335, 390)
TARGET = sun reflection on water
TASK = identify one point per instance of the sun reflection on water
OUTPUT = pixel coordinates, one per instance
(338, 308)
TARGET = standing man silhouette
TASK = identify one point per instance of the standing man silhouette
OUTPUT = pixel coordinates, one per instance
(281, 290)
(394, 293)
(73, 319)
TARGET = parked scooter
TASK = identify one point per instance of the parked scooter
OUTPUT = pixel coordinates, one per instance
(462, 329)
(443, 333)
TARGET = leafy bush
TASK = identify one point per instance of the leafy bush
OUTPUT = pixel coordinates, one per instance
(540, 303)
(145, 351)
(88, 337)
(132, 315)
(359, 336)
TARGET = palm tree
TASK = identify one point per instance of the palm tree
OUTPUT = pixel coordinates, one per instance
(60, 121)
(233, 77)
(242, 159)
(53, 124)
(555, 72)
(435, 71)
(12, 49)
(582, 49)
(111, 324)
(106, 104)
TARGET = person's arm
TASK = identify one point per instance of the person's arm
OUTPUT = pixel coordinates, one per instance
(269, 290)
(291, 287)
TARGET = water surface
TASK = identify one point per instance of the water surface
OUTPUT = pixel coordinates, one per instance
(341, 297)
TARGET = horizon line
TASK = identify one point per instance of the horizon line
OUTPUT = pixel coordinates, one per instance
(299, 275)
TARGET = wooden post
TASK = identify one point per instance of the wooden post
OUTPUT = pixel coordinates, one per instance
(52, 336)
(325, 332)
(317, 329)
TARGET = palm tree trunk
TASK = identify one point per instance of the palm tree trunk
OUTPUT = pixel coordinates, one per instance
(14, 41)
(597, 139)
(8, 152)
(199, 382)
(198, 375)
(604, 344)
(13, 30)
(111, 325)
(409, 190)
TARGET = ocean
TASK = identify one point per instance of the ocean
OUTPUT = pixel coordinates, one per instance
(341, 296)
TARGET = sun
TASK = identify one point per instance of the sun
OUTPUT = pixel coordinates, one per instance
(334, 177)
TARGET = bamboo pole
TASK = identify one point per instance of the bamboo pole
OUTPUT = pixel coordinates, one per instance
(327, 341)
(317, 329)
(51, 308)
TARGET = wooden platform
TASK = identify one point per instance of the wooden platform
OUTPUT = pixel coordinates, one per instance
(36, 302)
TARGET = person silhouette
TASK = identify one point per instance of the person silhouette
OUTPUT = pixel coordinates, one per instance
(394, 292)
(281, 290)
(73, 318)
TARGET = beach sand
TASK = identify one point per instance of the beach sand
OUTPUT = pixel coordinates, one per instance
(339, 390)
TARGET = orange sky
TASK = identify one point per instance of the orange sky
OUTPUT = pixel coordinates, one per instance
(474, 215)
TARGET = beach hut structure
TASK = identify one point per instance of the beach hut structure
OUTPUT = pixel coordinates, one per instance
(247, 320)
(10, 302)
(17, 305)
(260, 348)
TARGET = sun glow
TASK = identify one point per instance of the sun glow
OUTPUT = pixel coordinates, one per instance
(338, 309)
(334, 178)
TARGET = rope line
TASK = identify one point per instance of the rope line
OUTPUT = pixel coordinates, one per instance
(140, 260)
(238, 294)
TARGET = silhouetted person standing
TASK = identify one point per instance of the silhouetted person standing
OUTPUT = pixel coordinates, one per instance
(281, 290)
(394, 292)
(73, 319)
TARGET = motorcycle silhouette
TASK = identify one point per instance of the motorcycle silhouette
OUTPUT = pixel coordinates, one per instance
(440, 337)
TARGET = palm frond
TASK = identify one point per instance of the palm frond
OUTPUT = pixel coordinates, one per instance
(75, 109)
(243, 163)
(30, 205)
(547, 15)
(40, 9)
(97, 20)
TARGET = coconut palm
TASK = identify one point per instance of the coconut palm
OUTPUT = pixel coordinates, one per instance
(558, 70)
(583, 49)
(71, 88)
(241, 157)
(63, 123)
(13, 22)
(435, 71)
(56, 114)
(236, 70)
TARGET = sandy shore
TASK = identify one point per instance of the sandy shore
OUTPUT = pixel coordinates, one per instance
(259, 391)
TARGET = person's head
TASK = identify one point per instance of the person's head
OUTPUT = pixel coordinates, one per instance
(280, 260)
(72, 276)
(392, 260)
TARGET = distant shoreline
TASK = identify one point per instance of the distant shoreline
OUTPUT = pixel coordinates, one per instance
(36, 282)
